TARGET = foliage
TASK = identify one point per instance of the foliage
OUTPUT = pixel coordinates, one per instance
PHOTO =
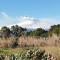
(34, 55)
(55, 29)
(30, 54)
(17, 31)
(39, 32)
(5, 32)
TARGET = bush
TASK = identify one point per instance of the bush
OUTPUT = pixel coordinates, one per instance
(34, 55)
(27, 54)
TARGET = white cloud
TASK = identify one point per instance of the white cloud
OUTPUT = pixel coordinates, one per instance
(30, 22)
(6, 20)
(27, 22)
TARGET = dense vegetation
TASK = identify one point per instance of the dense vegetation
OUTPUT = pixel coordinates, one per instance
(55, 29)
(10, 37)
(16, 37)
(13, 31)
(18, 31)
(25, 54)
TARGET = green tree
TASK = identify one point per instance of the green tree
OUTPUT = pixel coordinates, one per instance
(38, 32)
(5, 32)
(17, 30)
(55, 29)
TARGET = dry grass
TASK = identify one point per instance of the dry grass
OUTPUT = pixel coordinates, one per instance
(50, 44)
(30, 41)
(55, 51)
(6, 43)
(33, 41)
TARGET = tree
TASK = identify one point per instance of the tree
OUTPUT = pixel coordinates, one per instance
(5, 32)
(38, 32)
(17, 30)
(55, 29)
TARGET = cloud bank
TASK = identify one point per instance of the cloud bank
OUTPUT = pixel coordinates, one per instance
(26, 21)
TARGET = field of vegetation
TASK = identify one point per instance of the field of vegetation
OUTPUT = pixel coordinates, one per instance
(19, 53)
(18, 43)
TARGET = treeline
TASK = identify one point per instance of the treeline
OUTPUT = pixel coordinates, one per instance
(18, 31)
(55, 29)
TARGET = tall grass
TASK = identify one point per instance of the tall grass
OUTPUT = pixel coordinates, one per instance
(7, 43)
(49, 44)
(33, 41)
(30, 41)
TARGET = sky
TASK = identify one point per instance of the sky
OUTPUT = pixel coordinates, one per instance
(15, 11)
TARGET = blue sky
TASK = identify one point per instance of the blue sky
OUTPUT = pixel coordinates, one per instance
(35, 8)
(32, 8)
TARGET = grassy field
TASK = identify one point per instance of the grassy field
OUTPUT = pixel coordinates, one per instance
(50, 45)
(55, 51)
